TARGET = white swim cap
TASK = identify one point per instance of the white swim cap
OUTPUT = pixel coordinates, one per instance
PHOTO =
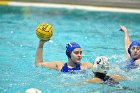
(33, 90)
(101, 64)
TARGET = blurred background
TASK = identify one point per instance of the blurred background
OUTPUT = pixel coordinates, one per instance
(105, 3)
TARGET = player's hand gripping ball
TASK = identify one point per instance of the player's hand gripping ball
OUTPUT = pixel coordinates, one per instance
(44, 31)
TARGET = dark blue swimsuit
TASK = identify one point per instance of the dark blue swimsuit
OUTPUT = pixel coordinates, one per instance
(130, 65)
(65, 68)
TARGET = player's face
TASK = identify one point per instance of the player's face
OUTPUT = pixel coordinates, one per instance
(135, 52)
(76, 55)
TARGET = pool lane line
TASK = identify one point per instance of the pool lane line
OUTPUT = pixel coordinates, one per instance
(81, 7)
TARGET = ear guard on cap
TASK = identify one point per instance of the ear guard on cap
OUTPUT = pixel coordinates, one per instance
(70, 47)
(101, 64)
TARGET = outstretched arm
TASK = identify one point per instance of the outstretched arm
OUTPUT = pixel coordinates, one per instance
(93, 80)
(126, 38)
(118, 77)
(39, 58)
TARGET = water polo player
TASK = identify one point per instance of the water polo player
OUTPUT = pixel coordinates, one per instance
(74, 54)
(100, 70)
(132, 50)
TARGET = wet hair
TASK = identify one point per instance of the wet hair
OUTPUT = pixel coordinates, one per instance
(70, 47)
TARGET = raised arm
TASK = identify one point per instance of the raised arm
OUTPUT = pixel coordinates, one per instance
(126, 38)
(39, 58)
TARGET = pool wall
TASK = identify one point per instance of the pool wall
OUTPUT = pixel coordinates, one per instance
(104, 3)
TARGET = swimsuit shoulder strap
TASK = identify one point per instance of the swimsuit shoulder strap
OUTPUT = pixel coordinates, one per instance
(64, 68)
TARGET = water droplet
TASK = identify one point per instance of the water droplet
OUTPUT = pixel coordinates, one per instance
(12, 32)
(21, 45)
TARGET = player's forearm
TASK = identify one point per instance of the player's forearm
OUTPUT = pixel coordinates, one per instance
(126, 40)
(39, 54)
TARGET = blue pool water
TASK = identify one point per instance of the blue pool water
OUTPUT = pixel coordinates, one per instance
(97, 33)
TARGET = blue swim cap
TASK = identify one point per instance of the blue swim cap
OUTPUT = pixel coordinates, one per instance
(134, 43)
(70, 47)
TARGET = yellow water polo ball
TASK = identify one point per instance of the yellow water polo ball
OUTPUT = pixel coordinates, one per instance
(44, 31)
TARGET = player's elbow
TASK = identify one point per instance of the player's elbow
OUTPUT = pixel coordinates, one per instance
(37, 64)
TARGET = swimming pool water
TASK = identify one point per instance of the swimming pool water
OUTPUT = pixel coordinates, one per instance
(96, 32)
